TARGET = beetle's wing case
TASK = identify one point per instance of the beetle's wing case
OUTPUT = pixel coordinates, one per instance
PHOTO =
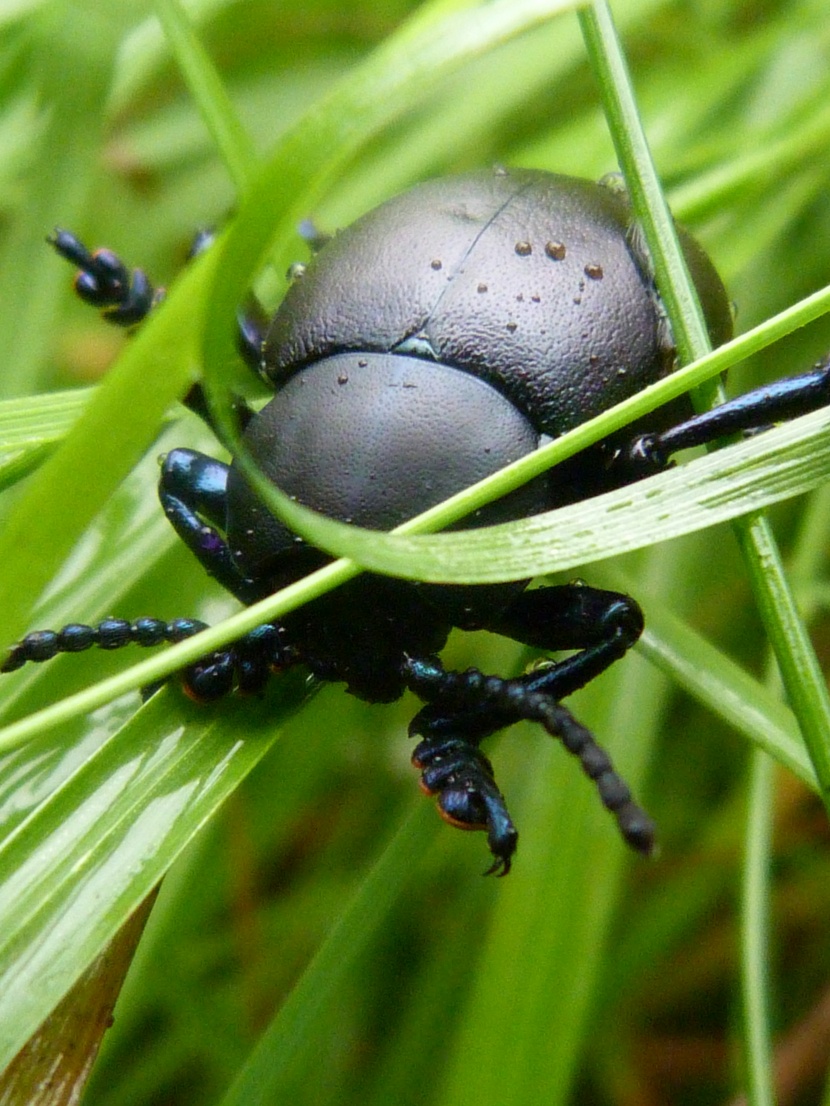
(530, 280)
(376, 283)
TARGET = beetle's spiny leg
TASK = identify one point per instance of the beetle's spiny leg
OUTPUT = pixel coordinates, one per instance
(124, 296)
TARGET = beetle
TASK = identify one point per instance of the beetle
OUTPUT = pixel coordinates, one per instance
(444, 334)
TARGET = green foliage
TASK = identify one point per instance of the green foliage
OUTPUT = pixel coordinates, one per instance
(319, 936)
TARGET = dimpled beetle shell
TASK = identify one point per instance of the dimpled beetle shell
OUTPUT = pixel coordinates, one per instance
(527, 279)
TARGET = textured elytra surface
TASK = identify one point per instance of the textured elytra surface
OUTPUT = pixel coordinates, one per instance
(524, 278)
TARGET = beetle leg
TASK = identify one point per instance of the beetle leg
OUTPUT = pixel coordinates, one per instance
(465, 707)
(196, 401)
(474, 705)
(245, 665)
(123, 296)
(192, 489)
(601, 625)
(771, 403)
(461, 778)
(126, 296)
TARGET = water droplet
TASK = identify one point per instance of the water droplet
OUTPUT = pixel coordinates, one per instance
(555, 250)
(481, 288)
(296, 271)
(362, 363)
(523, 249)
(500, 171)
(342, 378)
(436, 264)
(536, 299)
(511, 327)
(594, 271)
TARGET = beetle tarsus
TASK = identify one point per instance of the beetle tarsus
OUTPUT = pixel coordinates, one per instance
(461, 778)
(123, 296)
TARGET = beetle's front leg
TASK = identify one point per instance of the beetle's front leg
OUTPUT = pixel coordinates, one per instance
(192, 490)
(125, 296)
(456, 772)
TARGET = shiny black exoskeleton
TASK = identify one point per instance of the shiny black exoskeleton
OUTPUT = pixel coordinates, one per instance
(441, 336)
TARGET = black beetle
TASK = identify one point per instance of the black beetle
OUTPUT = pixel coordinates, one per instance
(441, 336)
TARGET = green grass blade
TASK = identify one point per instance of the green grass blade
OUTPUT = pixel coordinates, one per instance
(77, 867)
(755, 937)
(209, 94)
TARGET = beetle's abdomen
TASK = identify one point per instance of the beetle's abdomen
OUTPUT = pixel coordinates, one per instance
(375, 439)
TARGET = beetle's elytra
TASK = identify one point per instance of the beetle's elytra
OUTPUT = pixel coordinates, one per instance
(441, 336)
